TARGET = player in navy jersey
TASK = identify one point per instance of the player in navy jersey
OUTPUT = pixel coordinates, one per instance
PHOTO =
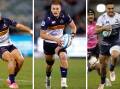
(107, 27)
(51, 30)
(8, 52)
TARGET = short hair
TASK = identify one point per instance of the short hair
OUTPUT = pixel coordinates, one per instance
(56, 2)
(109, 2)
(91, 11)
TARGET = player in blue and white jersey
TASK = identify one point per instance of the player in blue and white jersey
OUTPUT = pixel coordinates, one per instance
(8, 52)
(52, 28)
(108, 27)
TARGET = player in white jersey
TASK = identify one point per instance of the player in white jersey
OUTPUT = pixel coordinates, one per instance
(8, 52)
(51, 30)
(108, 27)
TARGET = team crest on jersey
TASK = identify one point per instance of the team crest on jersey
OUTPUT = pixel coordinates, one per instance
(61, 21)
(43, 23)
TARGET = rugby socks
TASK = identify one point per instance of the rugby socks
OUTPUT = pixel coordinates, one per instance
(103, 78)
(48, 74)
(63, 72)
(112, 67)
(12, 78)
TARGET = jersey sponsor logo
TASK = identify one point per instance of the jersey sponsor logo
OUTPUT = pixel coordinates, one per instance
(55, 33)
(53, 22)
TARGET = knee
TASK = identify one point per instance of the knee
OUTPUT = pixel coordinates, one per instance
(63, 56)
(9, 58)
(21, 59)
(50, 62)
(115, 54)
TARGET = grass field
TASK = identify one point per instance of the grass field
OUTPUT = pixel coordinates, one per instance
(94, 80)
(24, 78)
(76, 76)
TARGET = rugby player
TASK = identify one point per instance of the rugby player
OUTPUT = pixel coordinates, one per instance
(51, 30)
(93, 46)
(8, 52)
(93, 49)
(110, 43)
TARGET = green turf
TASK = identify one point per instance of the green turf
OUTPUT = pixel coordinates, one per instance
(94, 80)
(25, 74)
(76, 76)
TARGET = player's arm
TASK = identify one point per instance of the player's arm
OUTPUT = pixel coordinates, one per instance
(100, 27)
(24, 28)
(73, 28)
(19, 26)
(44, 35)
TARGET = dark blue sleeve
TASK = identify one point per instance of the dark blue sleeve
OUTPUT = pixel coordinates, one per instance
(44, 24)
(11, 22)
(68, 19)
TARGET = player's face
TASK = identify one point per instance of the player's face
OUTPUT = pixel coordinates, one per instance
(56, 9)
(90, 17)
(110, 10)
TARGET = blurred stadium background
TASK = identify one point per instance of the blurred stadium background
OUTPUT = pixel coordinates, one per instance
(76, 52)
(20, 11)
(93, 79)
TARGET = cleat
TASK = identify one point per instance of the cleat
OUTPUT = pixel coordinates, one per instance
(13, 86)
(112, 76)
(108, 82)
(64, 83)
(101, 86)
(48, 83)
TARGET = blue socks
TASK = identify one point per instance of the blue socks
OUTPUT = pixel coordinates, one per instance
(112, 67)
(63, 72)
(12, 78)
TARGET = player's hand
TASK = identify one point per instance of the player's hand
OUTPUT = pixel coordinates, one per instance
(59, 41)
(107, 28)
(31, 32)
(73, 35)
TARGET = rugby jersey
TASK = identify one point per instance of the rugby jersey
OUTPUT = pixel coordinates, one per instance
(104, 20)
(55, 26)
(5, 23)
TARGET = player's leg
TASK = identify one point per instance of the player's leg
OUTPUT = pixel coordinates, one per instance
(19, 60)
(115, 52)
(49, 51)
(63, 67)
(6, 56)
(103, 62)
(49, 62)
(97, 68)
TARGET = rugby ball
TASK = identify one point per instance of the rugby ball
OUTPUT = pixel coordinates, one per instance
(67, 39)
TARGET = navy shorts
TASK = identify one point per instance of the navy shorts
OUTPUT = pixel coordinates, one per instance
(9, 48)
(94, 52)
(49, 48)
(105, 49)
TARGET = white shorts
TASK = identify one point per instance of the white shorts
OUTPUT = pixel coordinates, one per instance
(115, 48)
